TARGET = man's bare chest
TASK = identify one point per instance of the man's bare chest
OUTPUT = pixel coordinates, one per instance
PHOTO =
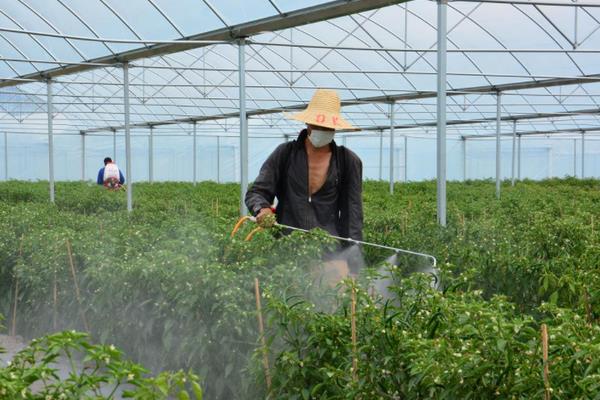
(318, 166)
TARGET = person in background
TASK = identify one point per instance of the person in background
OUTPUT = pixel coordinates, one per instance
(110, 175)
(316, 182)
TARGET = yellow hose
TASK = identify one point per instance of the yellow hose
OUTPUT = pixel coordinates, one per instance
(239, 224)
(257, 229)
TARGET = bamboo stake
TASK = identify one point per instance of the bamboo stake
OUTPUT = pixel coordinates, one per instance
(13, 328)
(261, 330)
(217, 206)
(77, 293)
(55, 303)
(546, 363)
(353, 328)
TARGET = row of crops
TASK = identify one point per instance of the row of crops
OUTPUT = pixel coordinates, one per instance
(168, 285)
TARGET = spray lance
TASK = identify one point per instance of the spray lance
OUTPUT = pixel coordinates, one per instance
(384, 281)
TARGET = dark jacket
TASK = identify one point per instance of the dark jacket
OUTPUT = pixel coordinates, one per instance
(335, 207)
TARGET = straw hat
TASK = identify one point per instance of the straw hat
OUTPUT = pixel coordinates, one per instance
(324, 110)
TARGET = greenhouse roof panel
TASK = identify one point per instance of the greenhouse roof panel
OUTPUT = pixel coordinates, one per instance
(377, 54)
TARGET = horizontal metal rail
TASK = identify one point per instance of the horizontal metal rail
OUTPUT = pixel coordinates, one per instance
(560, 3)
(413, 50)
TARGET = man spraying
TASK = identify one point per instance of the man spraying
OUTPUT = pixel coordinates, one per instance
(110, 175)
(317, 183)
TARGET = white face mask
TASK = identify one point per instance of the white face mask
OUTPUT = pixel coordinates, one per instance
(320, 138)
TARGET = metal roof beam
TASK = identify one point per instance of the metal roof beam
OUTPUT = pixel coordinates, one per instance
(389, 99)
(559, 3)
(332, 9)
(369, 128)
(529, 133)
(519, 117)
(533, 84)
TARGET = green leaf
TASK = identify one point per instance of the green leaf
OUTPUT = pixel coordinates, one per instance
(501, 344)
(305, 394)
(197, 390)
(183, 395)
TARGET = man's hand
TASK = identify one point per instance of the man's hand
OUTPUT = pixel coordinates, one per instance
(266, 218)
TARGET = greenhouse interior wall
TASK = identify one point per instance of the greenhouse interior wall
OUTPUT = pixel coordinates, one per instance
(541, 157)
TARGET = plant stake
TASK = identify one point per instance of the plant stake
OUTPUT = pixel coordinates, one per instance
(70, 253)
(353, 329)
(13, 328)
(261, 330)
(546, 363)
(54, 303)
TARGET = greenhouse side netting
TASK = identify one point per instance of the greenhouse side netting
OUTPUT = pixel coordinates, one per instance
(218, 157)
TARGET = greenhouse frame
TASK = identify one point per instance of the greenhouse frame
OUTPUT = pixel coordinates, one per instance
(466, 73)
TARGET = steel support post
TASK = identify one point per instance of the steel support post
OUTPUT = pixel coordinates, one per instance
(195, 153)
(575, 158)
(82, 156)
(381, 155)
(218, 159)
(392, 148)
(441, 110)
(50, 139)
(243, 126)
(464, 153)
(582, 155)
(151, 155)
(498, 143)
(513, 154)
(128, 173)
(5, 156)
(550, 163)
(114, 131)
(405, 159)
(519, 157)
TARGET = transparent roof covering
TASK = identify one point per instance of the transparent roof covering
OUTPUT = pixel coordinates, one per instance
(543, 56)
